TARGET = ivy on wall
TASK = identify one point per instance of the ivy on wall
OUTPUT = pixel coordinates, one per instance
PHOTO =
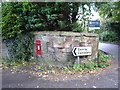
(20, 48)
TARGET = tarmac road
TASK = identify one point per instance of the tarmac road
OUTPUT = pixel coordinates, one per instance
(111, 49)
(107, 78)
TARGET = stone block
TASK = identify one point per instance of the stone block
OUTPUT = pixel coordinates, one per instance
(70, 34)
(89, 34)
(67, 50)
(65, 57)
(45, 38)
(52, 38)
(68, 39)
(67, 44)
(58, 50)
(77, 39)
(51, 49)
(62, 57)
(59, 40)
(55, 45)
(82, 43)
(49, 44)
(75, 44)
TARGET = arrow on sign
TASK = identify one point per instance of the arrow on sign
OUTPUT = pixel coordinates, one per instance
(74, 53)
(82, 51)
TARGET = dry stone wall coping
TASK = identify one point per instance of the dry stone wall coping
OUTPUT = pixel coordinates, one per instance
(62, 33)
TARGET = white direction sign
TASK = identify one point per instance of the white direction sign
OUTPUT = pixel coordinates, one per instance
(82, 51)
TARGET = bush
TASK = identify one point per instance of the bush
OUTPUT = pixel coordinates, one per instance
(103, 60)
(90, 65)
(109, 36)
(77, 27)
(20, 48)
(78, 67)
(23, 17)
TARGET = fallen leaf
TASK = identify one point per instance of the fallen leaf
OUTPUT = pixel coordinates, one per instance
(98, 78)
(40, 75)
(21, 84)
(37, 86)
(44, 76)
(94, 87)
(85, 84)
(13, 72)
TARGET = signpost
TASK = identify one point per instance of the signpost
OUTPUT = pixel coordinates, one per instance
(81, 51)
(93, 24)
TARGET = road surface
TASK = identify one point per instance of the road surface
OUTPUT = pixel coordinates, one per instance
(110, 49)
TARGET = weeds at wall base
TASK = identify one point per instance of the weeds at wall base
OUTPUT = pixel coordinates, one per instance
(103, 61)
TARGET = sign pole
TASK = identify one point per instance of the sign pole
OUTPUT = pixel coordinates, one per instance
(78, 59)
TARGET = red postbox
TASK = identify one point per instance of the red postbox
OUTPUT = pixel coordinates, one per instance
(38, 47)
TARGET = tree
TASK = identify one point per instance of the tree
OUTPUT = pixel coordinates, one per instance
(22, 17)
(111, 11)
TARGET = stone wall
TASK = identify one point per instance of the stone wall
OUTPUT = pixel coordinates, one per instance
(57, 46)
